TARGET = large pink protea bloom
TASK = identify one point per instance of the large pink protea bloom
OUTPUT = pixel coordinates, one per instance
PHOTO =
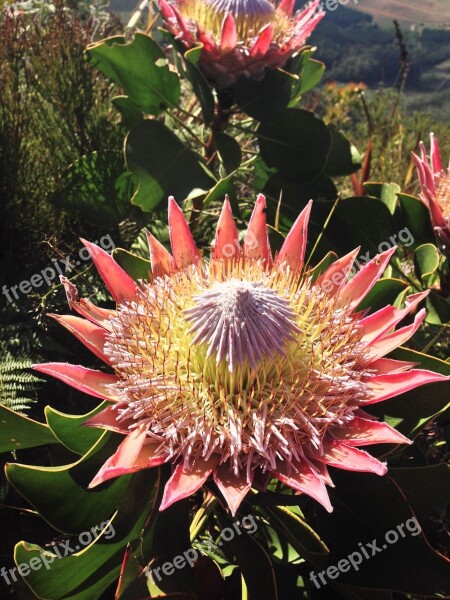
(241, 367)
(240, 37)
(435, 183)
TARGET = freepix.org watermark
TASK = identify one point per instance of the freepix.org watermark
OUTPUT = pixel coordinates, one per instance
(340, 277)
(57, 551)
(190, 556)
(365, 552)
(404, 236)
(48, 275)
(332, 5)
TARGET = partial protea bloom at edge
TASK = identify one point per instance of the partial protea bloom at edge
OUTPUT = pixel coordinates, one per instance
(435, 185)
(241, 367)
(240, 37)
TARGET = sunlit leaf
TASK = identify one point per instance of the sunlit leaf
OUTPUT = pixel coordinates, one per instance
(70, 431)
(136, 266)
(141, 68)
(385, 192)
(308, 72)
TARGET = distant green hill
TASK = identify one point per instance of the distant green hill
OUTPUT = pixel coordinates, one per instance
(355, 48)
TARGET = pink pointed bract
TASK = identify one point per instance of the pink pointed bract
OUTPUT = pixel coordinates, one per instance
(240, 37)
(434, 181)
(241, 367)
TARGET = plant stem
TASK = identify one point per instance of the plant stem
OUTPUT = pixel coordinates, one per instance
(219, 122)
(218, 125)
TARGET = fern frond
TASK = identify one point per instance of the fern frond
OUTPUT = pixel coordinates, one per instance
(17, 384)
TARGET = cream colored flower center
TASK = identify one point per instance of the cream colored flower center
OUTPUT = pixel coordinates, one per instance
(241, 320)
(249, 364)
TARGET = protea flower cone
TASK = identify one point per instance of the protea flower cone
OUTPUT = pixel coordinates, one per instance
(240, 37)
(435, 183)
(241, 367)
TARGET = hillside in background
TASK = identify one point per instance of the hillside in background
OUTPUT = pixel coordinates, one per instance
(407, 11)
(356, 48)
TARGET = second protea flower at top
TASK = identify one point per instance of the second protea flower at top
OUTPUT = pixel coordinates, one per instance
(240, 37)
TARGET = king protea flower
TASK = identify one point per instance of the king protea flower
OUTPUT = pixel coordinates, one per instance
(435, 184)
(241, 367)
(240, 37)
